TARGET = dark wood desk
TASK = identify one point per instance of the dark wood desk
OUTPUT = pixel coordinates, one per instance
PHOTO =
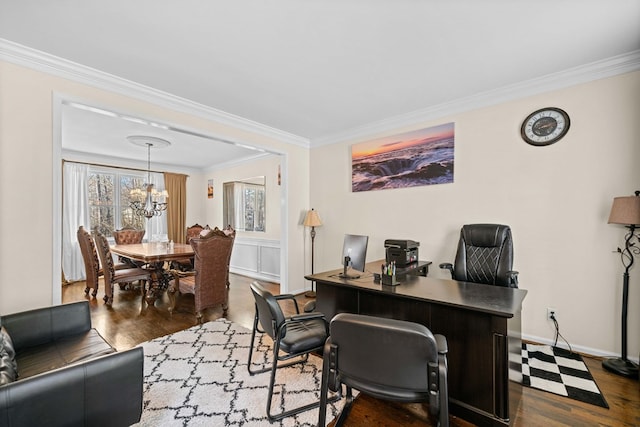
(155, 255)
(481, 322)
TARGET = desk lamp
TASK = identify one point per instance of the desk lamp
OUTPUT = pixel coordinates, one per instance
(625, 211)
(312, 220)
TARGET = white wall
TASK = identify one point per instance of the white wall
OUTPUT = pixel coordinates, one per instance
(556, 200)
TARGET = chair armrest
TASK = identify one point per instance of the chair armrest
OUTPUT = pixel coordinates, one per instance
(43, 325)
(307, 316)
(102, 391)
(441, 343)
(309, 307)
(179, 273)
(513, 278)
(447, 266)
(292, 297)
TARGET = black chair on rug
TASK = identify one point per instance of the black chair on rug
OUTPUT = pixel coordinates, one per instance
(387, 359)
(293, 338)
(484, 255)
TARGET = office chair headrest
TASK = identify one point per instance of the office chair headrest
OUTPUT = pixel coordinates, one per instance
(485, 235)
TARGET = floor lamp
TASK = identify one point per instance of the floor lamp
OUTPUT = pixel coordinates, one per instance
(625, 211)
(312, 220)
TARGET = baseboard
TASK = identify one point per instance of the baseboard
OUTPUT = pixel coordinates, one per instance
(577, 348)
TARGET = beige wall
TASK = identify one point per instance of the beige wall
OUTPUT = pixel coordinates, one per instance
(556, 199)
(30, 268)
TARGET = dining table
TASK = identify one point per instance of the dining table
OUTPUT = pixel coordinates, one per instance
(157, 256)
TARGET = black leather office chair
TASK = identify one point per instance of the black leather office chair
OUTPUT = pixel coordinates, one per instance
(485, 255)
(388, 359)
(293, 338)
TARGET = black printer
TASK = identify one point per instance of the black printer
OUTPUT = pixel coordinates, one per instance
(402, 252)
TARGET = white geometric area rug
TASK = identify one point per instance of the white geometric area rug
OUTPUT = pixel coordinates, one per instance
(198, 377)
(561, 372)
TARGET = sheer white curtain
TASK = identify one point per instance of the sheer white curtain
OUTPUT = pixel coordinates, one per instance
(75, 212)
(157, 225)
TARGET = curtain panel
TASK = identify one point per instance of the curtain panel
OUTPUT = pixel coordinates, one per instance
(75, 212)
(176, 185)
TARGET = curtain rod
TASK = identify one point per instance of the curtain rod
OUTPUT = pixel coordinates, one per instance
(113, 167)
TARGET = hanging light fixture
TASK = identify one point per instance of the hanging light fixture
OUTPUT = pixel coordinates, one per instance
(147, 201)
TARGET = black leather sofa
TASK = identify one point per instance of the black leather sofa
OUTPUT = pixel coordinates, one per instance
(67, 374)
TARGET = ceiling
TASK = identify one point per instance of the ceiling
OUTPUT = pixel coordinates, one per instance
(318, 68)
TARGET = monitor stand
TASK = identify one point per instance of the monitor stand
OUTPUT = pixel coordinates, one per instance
(344, 274)
(348, 276)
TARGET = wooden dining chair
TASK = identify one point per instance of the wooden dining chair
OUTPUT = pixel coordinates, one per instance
(91, 261)
(208, 281)
(128, 236)
(187, 264)
(230, 232)
(112, 276)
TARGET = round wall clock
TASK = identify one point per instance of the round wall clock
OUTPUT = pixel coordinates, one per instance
(545, 126)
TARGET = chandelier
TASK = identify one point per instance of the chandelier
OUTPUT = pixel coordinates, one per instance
(147, 201)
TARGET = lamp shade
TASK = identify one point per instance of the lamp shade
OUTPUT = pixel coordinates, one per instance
(312, 219)
(625, 210)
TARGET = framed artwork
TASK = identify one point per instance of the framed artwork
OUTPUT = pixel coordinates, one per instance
(210, 189)
(420, 157)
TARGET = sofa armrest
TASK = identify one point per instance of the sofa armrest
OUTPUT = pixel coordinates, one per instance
(43, 325)
(106, 391)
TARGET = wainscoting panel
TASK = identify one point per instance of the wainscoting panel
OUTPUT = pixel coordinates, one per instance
(256, 258)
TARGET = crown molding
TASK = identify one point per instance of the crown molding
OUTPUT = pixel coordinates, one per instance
(609, 67)
(50, 64)
(44, 62)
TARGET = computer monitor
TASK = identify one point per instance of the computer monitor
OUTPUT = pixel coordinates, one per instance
(354, 254)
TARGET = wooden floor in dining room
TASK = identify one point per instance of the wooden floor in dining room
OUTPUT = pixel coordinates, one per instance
(129, 322)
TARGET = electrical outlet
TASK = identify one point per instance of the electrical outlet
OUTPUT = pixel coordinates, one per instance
(552, 311)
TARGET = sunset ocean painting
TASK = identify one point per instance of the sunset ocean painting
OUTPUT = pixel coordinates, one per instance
(420, 157)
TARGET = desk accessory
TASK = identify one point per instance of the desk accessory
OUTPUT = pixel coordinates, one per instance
(388, 274)
(389, 280)
(625, 211)
(312, 219)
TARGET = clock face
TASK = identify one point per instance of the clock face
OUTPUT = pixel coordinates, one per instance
(545, 126)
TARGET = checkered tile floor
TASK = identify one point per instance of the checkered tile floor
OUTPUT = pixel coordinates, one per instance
(558, 371)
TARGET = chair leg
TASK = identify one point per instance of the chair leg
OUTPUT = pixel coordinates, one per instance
(108, 297)
(303, 358)
(171, 292)
(346, 409)
(274, 368)
(443, 415)
(253, 337)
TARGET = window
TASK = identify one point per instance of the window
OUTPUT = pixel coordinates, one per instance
(245, 206)
(109, 200)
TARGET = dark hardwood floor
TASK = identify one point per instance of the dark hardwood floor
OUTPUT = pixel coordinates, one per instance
(129, 322)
